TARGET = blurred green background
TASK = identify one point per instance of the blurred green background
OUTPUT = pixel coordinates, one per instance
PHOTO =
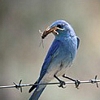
(22, 58)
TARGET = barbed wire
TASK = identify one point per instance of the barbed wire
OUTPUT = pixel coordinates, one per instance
(19, 86)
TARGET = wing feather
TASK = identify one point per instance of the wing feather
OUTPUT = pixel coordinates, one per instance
(50, 55)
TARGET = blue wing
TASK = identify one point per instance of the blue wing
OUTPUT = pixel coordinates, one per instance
(50, 55)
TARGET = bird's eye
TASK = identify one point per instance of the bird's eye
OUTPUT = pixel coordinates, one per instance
(60, 26)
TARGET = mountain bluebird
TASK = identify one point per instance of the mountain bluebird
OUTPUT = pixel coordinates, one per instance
(60, 55)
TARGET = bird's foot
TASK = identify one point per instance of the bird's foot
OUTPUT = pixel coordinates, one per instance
(62, 83)
(77, 82)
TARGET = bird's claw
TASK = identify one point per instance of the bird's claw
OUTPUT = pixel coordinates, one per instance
(62, 83)
(77, 83)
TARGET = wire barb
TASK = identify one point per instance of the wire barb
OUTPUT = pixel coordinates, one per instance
(18, 86)
(95, 81)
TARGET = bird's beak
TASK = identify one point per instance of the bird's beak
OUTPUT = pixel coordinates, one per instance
(50, 30)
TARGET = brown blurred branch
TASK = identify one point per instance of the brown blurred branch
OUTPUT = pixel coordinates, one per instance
(20, 85)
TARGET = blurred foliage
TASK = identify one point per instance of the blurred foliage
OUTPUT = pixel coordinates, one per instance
(20, 54)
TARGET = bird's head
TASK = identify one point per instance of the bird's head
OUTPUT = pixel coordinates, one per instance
(59, 28)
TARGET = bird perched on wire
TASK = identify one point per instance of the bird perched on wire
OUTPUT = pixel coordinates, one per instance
(60, 55)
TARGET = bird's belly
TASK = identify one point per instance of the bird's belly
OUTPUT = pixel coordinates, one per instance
(58, 66)
(57, 70)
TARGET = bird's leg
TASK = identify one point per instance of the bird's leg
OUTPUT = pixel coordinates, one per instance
(62, 83)
(77, 82)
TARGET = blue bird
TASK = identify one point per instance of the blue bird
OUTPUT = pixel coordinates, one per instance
(60, 55)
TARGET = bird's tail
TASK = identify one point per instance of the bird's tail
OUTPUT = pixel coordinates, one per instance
(36, 94)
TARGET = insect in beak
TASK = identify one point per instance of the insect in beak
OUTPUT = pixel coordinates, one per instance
(50, 30)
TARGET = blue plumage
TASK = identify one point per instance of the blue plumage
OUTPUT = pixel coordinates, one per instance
(60, 55)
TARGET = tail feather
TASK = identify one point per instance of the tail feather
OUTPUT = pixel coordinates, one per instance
(36, 94)
(33, 87)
